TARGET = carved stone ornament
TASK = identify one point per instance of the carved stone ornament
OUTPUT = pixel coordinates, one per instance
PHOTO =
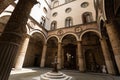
(32, 24)
(60, 32)
(78, 29)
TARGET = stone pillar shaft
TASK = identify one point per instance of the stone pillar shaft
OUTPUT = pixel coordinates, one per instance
(80, 57)
(7, 55)
(22, 52)
(115, 42)
(12, 36)
(43, 56)
(59, 56)
(108, 60)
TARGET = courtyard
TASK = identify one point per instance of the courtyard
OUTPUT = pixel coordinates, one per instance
(34, 74)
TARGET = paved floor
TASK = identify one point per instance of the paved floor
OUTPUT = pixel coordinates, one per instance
(34, 74)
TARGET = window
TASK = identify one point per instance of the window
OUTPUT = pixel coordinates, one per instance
(68, 10)
(43, 21)
(39, 4)
(84, 4)
(53, 25)
(68, 22)
(45, 10)
(56, 3)
(54, 14)
(87, 17)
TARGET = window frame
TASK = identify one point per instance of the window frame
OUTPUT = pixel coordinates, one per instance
(68, 22)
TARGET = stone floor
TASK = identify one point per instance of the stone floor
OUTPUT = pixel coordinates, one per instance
(34, 74)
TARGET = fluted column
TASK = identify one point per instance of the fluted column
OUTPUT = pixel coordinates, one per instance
(22, 52)
(59, 55)
(43, 55)
(115, 42)
(12, 36)
(108, 60)
(80, 57)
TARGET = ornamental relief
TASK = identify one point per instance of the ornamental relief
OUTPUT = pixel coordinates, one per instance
(31, 24)
(78, 29)
(60, 32)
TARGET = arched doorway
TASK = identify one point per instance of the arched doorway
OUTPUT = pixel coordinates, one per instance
(94, 59)
(52, 47)
(34, 51)
(69, 47)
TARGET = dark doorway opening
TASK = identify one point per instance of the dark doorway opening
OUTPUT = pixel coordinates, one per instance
(94, 58)
(37, 61)
(92, 65)
(70, 56)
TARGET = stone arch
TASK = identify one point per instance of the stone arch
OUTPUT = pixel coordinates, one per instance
(53, 36)
(92, 51)
(100, 18)
(38, 31)
(69, 34)
(69, 51)
(90, 30)
(52, 49)
(34, 50)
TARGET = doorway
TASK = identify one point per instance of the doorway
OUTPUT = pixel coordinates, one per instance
(70, 56)
(94, 59)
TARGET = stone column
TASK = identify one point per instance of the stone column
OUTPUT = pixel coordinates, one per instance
(12, 36)
(80, 57)
(115, 42)
(108, 60)
(62, 58)
(59, 55)
(43, 55)
(22, 52)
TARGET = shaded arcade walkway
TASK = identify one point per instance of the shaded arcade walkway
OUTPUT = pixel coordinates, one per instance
(34, 74)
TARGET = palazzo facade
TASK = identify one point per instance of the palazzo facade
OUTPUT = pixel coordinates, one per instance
(81, 33)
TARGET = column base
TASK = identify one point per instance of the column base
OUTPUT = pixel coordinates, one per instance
(55, 76)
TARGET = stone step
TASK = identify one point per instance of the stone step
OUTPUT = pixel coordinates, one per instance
(55, 76)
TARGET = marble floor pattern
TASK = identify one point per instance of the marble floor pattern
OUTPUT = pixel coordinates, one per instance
(34, 74)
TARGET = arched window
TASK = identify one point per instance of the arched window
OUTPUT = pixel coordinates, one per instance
(55, 4)
(43, 21)
(68, 22)
(87, 17)
(45, 10)
(53, 25)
